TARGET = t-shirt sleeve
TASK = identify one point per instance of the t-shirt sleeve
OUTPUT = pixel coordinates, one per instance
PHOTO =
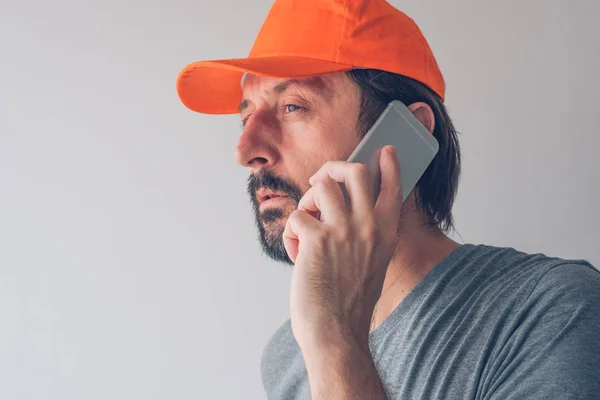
(554, 350)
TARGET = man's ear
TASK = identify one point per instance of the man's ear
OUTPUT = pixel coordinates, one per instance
(424, 113)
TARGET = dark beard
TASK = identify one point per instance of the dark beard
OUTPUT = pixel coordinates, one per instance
(270, 223)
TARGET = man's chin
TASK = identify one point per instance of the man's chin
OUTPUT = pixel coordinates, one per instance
(271, 240)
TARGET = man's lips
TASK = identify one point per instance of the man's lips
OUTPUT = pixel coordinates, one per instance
(267, 196)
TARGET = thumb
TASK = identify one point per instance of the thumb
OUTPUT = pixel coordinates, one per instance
(299, 225)
(291, 247)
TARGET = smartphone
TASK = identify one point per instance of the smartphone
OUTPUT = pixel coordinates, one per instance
(415, 145)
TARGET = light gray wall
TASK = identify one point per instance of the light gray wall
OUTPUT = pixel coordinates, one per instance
(128, 262)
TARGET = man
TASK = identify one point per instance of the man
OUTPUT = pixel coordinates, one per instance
(383, 303)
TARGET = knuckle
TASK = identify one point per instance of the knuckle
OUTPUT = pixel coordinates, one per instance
(293, 216)
(320, 186)
(328, 165)
(297, 215)
(327, 181)
(360, 170)
(370, 232)
(326, 184)
(344, 232)
(320, 238)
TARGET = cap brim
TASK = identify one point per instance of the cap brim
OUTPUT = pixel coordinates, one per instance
(214, 87)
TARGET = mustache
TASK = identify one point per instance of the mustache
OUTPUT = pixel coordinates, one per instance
(267, 180)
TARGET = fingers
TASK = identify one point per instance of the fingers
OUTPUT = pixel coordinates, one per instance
(325, 197)
(298, 227)
(356, 179)
(389, 201)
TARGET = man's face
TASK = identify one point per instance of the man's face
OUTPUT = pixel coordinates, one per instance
(291, 128)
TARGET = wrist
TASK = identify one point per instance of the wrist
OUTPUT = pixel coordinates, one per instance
(340, 366)
(332, 339)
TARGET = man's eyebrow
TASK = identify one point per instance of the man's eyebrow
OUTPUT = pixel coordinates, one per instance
(316, 84)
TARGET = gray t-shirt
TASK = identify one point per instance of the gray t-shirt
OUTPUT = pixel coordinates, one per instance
(485, 323)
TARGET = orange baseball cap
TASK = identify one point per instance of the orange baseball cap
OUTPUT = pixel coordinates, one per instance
(303, 38)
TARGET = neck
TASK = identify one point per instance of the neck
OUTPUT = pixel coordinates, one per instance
(419, 250)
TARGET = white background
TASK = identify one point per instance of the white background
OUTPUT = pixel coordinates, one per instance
(129, 267)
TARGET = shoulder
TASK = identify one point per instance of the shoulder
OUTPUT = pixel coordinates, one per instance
(530, 285)
(283, 337)
(573, 283)
(506, 264)
(552, 345)
(279, 352)
(561, 296)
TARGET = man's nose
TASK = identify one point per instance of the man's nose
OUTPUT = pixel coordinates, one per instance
(256, 147)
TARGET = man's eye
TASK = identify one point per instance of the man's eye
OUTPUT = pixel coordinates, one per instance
(292, 107)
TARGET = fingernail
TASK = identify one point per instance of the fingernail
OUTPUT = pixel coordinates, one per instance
(391, 150)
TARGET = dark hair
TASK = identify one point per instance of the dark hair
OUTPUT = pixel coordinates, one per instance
(436, 190)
